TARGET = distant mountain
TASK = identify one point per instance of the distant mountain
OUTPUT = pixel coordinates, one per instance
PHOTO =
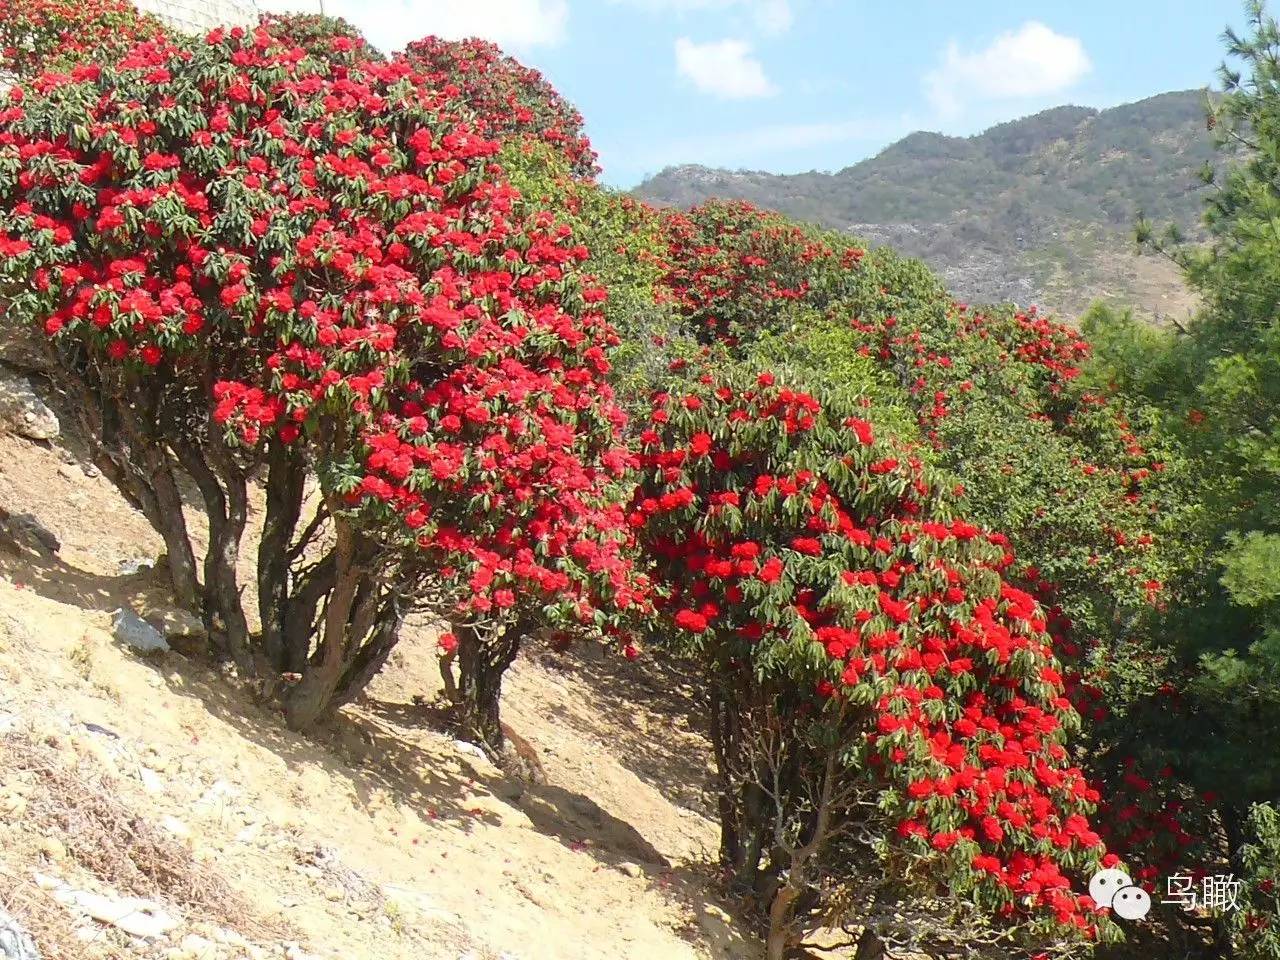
(1039, 210)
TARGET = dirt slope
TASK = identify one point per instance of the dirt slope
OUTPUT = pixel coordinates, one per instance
(382, 838)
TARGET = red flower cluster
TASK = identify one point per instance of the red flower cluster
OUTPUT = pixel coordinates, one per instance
(730, 266)
(777, 539)
(319, 250)
(512, 101)
(39, 35)
(318, 34)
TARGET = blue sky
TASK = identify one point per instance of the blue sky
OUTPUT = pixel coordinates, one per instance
(792, 85)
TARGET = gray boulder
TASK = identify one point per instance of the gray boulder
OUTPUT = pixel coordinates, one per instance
(15, 942)
(25, 529)
(23, 412)
(136, 634)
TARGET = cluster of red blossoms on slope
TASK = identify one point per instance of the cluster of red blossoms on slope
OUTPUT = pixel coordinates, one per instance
(736, 271)
(327, 253)
(751, 498)
(727, 262)
(510, 99)
(38, 34)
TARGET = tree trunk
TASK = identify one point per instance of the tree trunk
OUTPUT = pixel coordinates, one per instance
(301, 612)
(226, 506)
(721, 744)
(781, 931)
(145, 478)
(285, 483)
(372, 656)
(481, 666)
(164, 499)
(746, 870)
(312, 698)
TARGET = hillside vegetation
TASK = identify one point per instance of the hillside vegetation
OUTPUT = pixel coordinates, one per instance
(924, 612)
(1038, 210)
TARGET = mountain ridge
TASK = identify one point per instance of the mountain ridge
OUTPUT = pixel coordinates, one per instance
(1038, 209)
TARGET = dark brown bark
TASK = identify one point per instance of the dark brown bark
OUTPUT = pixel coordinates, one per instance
(372, 655)
(286, 476)
(162, 506)
(301, 618)
(142, 475)
(746, 869)
(481, 666)
(870, 947)
(721, 743)
(226, 506)
(312, 698)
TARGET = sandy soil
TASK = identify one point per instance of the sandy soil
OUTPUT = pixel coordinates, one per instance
(381, 837)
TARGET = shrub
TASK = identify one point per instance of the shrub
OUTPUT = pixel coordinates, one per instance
(1257, 922)
(319, 35)
(1093, 495)
(889, 717)
(250, 259)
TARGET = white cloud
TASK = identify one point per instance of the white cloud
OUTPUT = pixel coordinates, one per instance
(768, 16)
(774, 16)
(390, 24)
(723, 68)
(1031, 61)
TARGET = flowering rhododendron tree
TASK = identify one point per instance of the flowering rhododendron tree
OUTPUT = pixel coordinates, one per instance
(513, 102)
(889, 717)
(307, 267)
(734, 269)
(319, 34)
(1093, 499)
(38, 35)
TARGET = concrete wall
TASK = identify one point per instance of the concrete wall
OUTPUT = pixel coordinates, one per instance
(198, 16)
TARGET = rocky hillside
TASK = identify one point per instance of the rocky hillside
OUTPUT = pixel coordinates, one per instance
(1039, 210)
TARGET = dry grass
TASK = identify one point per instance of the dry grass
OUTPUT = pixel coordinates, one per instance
(51, 929)
(73, 799)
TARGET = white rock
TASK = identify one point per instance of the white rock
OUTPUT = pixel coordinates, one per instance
(470, 749)
(15, 942)
(152, 782)
(138, 918)
(175, 622)
(198, 948)
(135, 633)
(218, 800)
(229, 937)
